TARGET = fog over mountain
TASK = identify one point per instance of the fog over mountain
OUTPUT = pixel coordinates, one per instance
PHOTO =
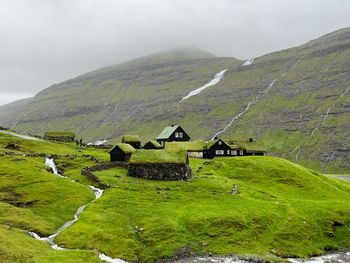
(45, 42)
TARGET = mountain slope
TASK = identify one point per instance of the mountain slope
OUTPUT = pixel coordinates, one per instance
(297, 100)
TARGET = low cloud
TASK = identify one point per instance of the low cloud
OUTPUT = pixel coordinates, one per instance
(45, 42)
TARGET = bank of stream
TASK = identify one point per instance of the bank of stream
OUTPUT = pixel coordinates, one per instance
(49, 161)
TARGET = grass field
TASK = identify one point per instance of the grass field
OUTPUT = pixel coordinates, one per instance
(277, 208)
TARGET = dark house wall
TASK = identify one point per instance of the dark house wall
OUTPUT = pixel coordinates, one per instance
(221, 149)
(136, 145)
(118, 155)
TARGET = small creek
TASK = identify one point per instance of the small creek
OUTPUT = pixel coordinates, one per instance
(49, 161)
(339, 257)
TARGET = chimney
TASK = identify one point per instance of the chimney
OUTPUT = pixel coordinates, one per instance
(250, 139)
(172, 125)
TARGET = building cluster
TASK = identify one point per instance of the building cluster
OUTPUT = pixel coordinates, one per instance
(175, 137)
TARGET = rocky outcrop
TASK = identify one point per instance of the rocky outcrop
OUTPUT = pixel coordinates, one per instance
(160, 171)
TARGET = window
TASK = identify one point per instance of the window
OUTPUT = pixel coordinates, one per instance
(176, 135)
(228, 152)
(181, 135)
(241, 152)
(234, 152)
(219, 152)
(219, 142)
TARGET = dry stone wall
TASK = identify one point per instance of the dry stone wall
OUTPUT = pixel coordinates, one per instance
(160, 171)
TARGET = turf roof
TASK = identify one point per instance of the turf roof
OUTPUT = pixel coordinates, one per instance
(159, 156)
(131, 138)
(124, 147)
(59, 134)
(155, 144)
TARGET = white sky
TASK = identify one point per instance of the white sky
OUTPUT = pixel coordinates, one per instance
(48, 41)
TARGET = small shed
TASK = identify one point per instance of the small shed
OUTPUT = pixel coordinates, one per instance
(61, 136)
(173, 133)
(133, 140)
(217, 148)
(121, 152)
(152, 145)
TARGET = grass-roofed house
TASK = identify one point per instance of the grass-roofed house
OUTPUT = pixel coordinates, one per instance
(121, 152)
(216, 148)
(60, 136)
(160, 165)
(133, 140)
(173, 133)
(152, 145)
(249, 147)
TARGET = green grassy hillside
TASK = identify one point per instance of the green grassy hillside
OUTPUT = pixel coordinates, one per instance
(263, 206)
(297, 100)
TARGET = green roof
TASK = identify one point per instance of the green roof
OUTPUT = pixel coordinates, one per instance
(254, 146)
(155, 144)
(126, 148)
(188, 146)
(165, 134)
(59, 134)
(159, 156)
(130, 138)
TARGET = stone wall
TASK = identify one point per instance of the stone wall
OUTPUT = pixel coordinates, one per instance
(88, 172)
(160, 171)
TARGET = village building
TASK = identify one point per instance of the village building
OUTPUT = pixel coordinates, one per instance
(161, 165)
(121, 152)
(152, 145)
(173, 133)
(60, 136)
(249, 147)
(218, 148)
(133, 140)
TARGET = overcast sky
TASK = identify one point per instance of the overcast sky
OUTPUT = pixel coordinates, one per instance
(48, 41)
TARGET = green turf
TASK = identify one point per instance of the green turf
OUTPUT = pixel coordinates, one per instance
(280, 208)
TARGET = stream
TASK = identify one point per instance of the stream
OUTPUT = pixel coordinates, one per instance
(49, 161)
(338, 257)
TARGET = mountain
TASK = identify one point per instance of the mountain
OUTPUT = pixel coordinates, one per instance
(297, 100)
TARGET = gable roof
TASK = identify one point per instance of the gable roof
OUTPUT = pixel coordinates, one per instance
(154, 143)
(211, 143)
(130, 138)
(124, 147)
(165, 134)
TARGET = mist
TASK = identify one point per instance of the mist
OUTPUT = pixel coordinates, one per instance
(48, 41)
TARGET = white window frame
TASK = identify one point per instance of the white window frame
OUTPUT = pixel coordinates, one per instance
(176, 135)
(234, 152)
(241, 152)
(219, 152)
(181, 135)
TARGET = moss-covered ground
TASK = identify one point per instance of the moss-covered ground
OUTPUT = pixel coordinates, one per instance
(249, 205)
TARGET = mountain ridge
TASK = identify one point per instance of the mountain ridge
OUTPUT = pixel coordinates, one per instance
(290, 98)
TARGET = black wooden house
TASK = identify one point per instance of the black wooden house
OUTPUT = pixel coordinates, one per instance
(121, 152)
(173, 133)
(217, 148)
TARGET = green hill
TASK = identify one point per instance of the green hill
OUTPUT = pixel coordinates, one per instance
(262, 206)
(297, 100)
